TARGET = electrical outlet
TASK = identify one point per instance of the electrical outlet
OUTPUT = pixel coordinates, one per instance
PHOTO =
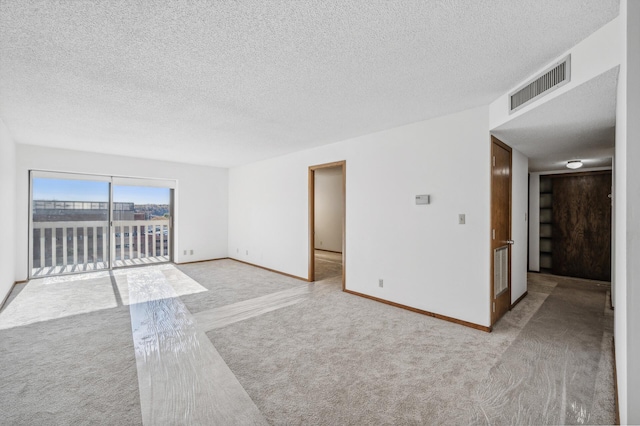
(191, 252)
(380, 282)
(247, 252)
(185, 253)
(237, 250)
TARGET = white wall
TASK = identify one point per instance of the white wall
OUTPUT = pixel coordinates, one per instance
(627, 218)
(201, 196)
(8, 210)
(633, 210)
(519, 223)
(329, 205)
(620, 236)
(620, 239)
(417, 250)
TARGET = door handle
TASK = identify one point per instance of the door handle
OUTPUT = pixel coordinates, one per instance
(510, 242)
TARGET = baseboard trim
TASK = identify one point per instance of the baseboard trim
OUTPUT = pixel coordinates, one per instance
(513, 305)
(611, 300)
(271, 270)
(329, 251)
(615, 381)
(420, 311)
(6, 297)
(246, 263)
(201, 261)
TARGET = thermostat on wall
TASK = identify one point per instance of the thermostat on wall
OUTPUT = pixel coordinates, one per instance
(422, 199)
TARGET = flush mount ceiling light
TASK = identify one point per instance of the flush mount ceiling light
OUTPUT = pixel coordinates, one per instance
(575, 164)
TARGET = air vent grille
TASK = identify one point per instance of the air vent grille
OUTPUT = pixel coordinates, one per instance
(500, 270)
(549, 80)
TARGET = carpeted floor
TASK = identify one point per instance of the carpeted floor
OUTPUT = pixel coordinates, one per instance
(229, 282)
(559, 362)
(314, 355)
(75, 370)
(328, 265)
(348, 360)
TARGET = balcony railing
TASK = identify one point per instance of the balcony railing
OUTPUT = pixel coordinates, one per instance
(66, 247)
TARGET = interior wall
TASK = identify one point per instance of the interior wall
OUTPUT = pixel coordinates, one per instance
(627, 202)
(8, 211)
(620, 231)
(417, 250)
(329, 205)
(201, 209)
(519, 223)
(633, 206)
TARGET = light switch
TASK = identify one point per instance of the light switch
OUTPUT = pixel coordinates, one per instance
(461, 219)
(423, 199)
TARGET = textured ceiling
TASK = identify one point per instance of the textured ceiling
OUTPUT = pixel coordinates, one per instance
(230, 82)
(578, 125)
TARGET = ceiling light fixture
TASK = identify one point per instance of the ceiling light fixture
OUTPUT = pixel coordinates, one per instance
(575, 164)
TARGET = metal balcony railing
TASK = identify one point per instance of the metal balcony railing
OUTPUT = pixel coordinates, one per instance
(77, 246)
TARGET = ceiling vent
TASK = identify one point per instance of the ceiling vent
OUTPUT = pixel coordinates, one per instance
(546, 82)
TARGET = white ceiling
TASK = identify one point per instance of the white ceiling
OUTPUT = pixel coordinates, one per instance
(230, 82)
(578, 125)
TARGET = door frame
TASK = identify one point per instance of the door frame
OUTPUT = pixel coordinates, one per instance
(496, 141)
(312, 221)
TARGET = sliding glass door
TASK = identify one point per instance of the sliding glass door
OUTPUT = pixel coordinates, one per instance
(82, 223)
(69, 225)
(141, 225)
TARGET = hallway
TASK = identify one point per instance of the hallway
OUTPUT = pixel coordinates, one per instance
(328, 264)
(153, 344)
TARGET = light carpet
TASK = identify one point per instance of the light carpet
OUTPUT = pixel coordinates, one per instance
(342, 359)
(311, 354)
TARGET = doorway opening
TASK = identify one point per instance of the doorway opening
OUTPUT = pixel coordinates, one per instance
(327, 200)
(82, 223)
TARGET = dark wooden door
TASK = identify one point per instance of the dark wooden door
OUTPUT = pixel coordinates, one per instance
(500, 229)
(581, 242)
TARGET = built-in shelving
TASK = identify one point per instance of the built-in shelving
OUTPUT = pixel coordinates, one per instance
(546, 223)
